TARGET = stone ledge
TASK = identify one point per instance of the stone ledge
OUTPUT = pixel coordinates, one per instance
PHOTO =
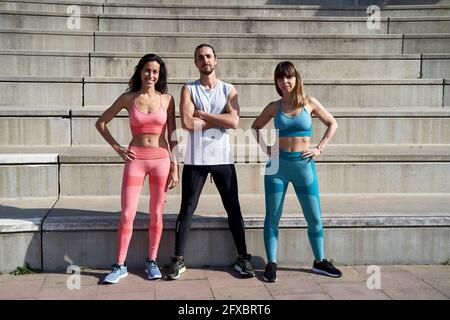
(339, 211)
(28, 158)
(24, 215)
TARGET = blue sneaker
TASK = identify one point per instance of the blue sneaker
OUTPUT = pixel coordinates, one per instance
(151, 268)
(118, 272)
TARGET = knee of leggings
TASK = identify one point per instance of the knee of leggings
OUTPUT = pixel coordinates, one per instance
(126, 221)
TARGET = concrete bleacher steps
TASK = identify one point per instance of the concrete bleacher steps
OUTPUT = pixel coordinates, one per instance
(221, 9)
(20, 231)
(85, 171)
(82, 41)
(417, 225)
(383, 178)
(91, 91)
(75, 127)
(217, 24)
(321, 66)
(60, 64)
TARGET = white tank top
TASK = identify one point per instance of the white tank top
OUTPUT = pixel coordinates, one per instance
(211, 146)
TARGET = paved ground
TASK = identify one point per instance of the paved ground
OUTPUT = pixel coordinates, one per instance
(396, 282)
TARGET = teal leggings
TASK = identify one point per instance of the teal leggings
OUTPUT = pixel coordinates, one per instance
(302, 173)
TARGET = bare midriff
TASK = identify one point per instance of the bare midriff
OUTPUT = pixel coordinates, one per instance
(149, 140)
(294, 144)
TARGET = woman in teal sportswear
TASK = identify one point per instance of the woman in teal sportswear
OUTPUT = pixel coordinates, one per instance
(294, 163)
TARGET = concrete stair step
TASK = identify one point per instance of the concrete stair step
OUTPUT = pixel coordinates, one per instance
(44, 63)
(274, 44)
(338, 210)
(271, 25)
(79, 41)
(324, 3)
(226, 9)
(90, 91)
(33, 63)
(319, 66)
(47, 21)
(76, 127)
(20, 231)
(216, 24)
(83, 7)
(275, 10)
(67, 41)
(29, 174)
(322, 66)
(359, 228)
(357, 93)
(97, 171)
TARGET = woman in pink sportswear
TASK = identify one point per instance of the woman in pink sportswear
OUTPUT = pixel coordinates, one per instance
(151, 114)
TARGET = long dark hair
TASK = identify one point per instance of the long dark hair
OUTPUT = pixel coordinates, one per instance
(288, 70)
(135, 82)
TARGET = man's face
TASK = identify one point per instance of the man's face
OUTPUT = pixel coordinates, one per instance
(205, 60)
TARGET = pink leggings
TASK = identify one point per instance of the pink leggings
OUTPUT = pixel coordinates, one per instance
(155, 163)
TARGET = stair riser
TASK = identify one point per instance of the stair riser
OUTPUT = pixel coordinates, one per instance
(199, 24)
(347, 246)
(60, 66)
(330, 95)
(42, 22)
(384, 177)
(276, 12)
(44, 66)
(17, 249)
(32, 131)
(47, 42)
(21, 181)
(63, 66)
(351, 131)
(264, 68)
(64, 8)
(223, 10)
(258, 94)
(183, 44)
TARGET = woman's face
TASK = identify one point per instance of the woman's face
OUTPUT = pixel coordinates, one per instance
(150, 74)
(286, 84)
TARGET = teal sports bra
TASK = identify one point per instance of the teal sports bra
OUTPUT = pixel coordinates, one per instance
(297, 126)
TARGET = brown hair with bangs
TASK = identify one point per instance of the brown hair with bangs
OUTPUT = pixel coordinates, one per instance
(288, 70)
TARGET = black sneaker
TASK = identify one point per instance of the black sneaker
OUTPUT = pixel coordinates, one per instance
(326, 267)
(270, 274)
(243, 266)
(176, 268)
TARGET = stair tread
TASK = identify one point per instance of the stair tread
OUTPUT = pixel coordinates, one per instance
(338, 210)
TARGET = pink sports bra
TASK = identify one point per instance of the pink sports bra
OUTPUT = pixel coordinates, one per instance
(154, 122)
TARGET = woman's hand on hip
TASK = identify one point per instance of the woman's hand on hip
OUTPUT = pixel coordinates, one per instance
(314, 152)
(126, 154)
